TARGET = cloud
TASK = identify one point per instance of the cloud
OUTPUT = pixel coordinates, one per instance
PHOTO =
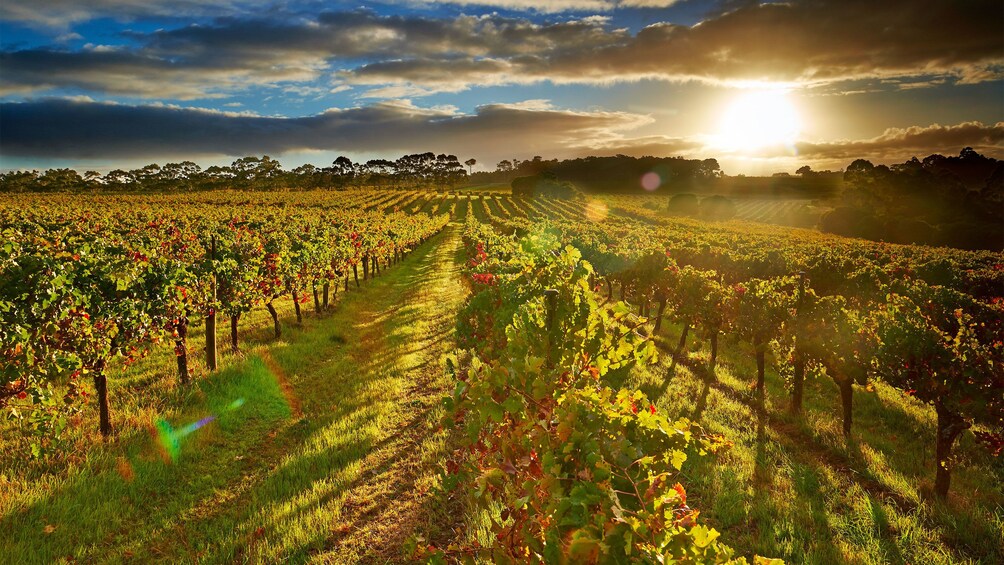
(81, 129)
(201, 61)
(124, 72)
(553, 6)
(811, 42)
(654, 145)
(916, 140)
(61, 13)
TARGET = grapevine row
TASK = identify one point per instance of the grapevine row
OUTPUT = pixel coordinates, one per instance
(857, 311)
(78, 289)
(582, 471)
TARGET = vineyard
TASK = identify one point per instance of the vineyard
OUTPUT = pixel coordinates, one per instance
(473, 376)
(781, 211)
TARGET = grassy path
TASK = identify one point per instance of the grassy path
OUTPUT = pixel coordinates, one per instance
(332, 457)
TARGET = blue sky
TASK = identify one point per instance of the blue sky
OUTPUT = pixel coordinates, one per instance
(102, 84)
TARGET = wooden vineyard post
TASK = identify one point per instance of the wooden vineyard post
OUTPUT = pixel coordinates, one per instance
(233, 334)
(551, 303)
(799, 376)
(296, 305)
(181, 349)
(661, 297)
(101, 389)
(211, 318)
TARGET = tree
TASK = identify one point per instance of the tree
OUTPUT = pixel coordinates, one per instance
(180, 175)
(836, 340)
(119, 179)
(57, 180)
(470, 165)
(92, 178)
(381, 171)
(709, 169)
(859, 171)
(969, 154)
(417, 168)
(255, 173)
(19, 181)
(764, 311)
(447, 170)
(911, 167)
(267, 171)
(149, 177)
(217, 176)
(944, 348)
(343, 170)
(804, 171)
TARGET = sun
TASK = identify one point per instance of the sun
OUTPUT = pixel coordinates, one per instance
(758, 119)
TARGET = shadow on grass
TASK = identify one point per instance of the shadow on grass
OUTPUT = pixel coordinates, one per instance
(874, 463)
(130, 499)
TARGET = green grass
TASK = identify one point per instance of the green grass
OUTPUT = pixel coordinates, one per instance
(333, 456)
(793, 487)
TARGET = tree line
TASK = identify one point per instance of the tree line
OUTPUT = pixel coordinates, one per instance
(619, 173)
(939, 200)
(251, 173)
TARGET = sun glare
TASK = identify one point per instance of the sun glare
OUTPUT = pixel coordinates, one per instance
(758, 119)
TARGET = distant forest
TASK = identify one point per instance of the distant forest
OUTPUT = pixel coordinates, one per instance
(423, 170)
(251, 173)
(953, 201)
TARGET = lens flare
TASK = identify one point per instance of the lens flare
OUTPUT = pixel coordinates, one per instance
(170, 439)
(283, 381)
(651, 181)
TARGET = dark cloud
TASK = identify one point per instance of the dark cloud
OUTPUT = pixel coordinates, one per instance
(61, 13)
(82, 129)
(75, 129)
(200, 61)
(916, 140)
(551, 6)
(365, 34)
(124, 72)
(807, 42)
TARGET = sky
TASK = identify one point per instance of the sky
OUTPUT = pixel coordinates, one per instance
(763, 87)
